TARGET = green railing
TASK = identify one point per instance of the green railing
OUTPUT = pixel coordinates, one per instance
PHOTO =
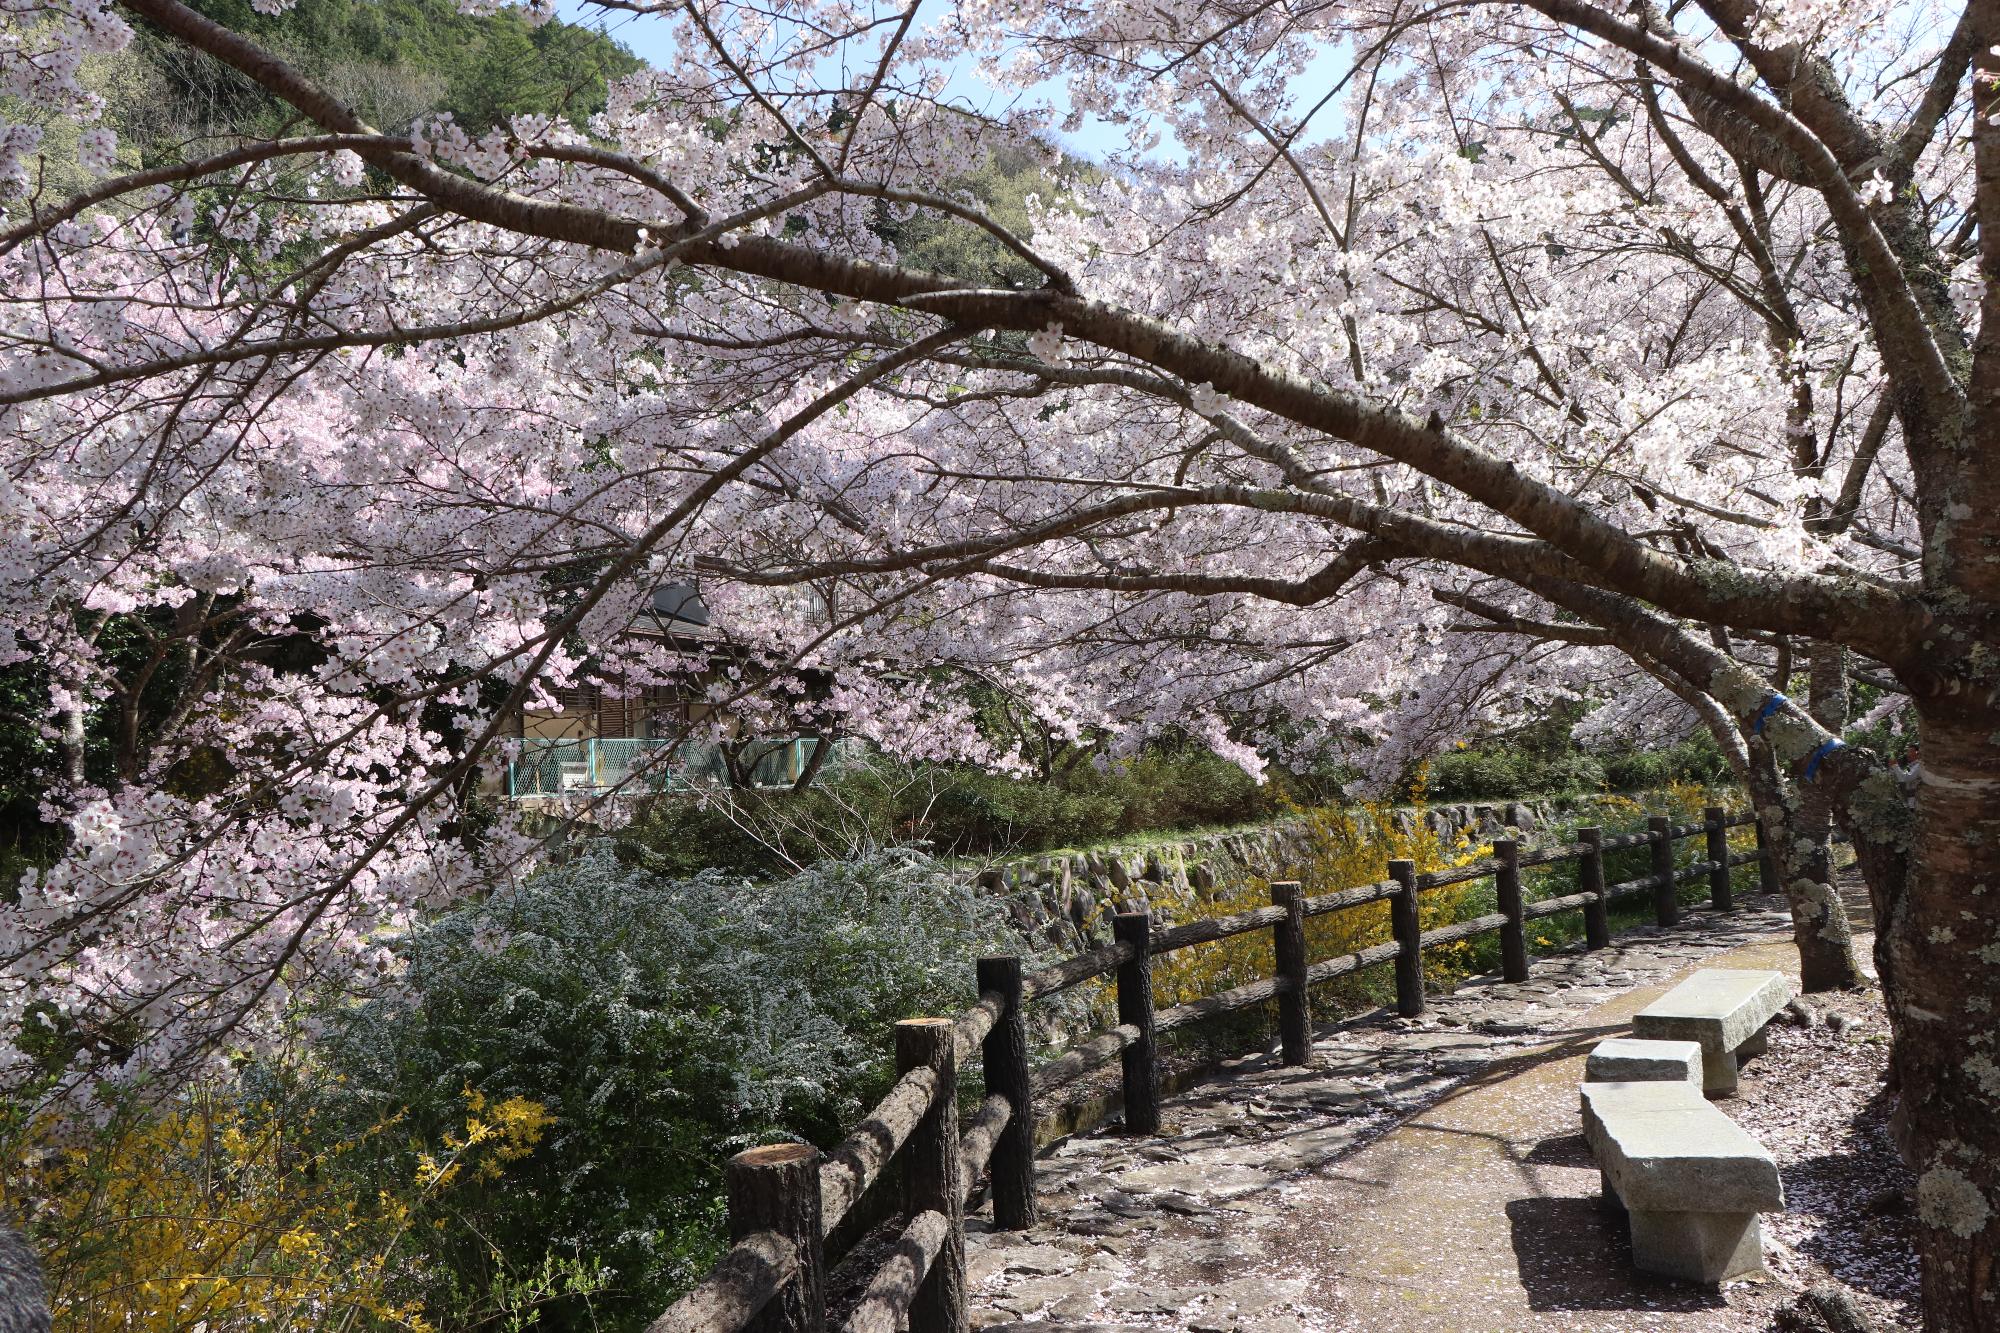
(555, 767)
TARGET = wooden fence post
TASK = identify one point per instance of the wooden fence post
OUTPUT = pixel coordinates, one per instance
(1135, 1009)
(777, 1189)
(1666, 905)
(1409, 939)
(1507, 888)
(931, 1181)
(1590, 879)
(1005, 1058)
(1288, 950)
(1718, 855)
(1767, 861)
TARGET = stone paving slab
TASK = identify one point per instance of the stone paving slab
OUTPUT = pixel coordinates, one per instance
(1199, 1228)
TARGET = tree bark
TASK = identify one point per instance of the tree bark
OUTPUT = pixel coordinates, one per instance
(1820, 928)
(1939, 943)
(1827, 960)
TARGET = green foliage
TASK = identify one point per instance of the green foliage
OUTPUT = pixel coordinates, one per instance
(28, 767)
(1503, 772)
(1541, 759)
(665, 1023)
(1482, 773)
(391, 60)
(1000, 187)
(1164, 788)
(951, 809)
(1695, 760)
(1891, 736)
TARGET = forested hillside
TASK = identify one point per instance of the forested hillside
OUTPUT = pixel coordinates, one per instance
(393, 60)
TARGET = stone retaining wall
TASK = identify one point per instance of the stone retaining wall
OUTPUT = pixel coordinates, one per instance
(1067, 898)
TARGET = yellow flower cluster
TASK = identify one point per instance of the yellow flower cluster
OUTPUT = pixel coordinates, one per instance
(215, 1215)
(1344, 847)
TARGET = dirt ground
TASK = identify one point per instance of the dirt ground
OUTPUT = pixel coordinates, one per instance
(1428, 1175)
(1481, 1212)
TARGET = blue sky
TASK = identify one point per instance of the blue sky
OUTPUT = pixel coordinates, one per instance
(649, 40)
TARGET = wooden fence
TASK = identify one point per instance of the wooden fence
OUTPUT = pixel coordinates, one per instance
(787, 1203)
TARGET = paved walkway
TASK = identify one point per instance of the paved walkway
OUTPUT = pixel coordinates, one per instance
(1419, 1174)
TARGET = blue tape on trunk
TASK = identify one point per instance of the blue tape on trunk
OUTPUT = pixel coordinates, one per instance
(1771, 705)
(1812, 764)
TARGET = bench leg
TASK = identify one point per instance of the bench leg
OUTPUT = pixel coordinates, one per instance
(1759, 1042)
(1697, 1247)
(1607, 1193)
(1718, 1073)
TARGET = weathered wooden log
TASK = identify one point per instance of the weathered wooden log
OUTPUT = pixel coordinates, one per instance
(1466, 929)
(1507, 889)
(1590, 880)
(1004, 1056)
(1074, 971)
(976, 1143)
(1403, 924)
(1090, 1053)
(1626, 888)
(1288, 958)
(1215, 928)
(740, 1285)
(1666, 904)
(1543, 856)
(892, 1292)
(857, 1161)
(1823, 1308)
(1347, 963)
(970, 1028)
(1222, 1002)
(1719, 896)
(931, 1182)
(776, 1189)
(1569, 902)
(1471, 870)
(1355, 897)
(1135, 1010)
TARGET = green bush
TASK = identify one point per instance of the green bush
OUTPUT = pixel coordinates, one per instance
(1499, 770)
(666, 1023)
(981, 812)
(1696, 759)
(686, 835)
(1480, 774)
(875, 801)
(1574, 772)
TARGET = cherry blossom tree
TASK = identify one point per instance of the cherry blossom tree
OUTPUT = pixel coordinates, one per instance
(1650, 332)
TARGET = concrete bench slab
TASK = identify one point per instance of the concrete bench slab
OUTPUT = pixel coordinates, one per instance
(1724, 1010)
(1636, 1060)
(1690, 1179)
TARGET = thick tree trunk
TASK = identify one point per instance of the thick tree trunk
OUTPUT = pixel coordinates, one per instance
(1804, 848)
(1820, 928)
(1940, 943)
(1811, 883)
(1940, 936)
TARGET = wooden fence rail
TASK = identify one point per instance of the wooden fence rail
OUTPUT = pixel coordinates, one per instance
(788, 1202)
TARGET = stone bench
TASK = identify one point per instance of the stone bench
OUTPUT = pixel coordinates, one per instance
(1635, 1060)
(1690, 1180)
(1725, 1010)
